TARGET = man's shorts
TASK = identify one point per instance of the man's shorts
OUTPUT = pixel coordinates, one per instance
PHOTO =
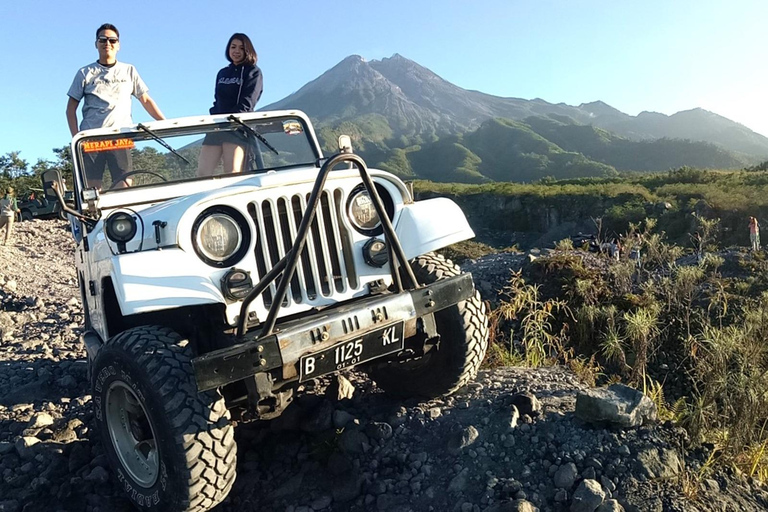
(119, 162)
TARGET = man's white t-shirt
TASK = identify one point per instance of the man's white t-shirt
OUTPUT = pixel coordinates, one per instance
(107, 91)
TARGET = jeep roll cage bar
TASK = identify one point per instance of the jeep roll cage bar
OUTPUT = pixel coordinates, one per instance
(287, 265)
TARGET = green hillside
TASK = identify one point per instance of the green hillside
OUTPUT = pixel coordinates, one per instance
(553, 146)
(627, 155)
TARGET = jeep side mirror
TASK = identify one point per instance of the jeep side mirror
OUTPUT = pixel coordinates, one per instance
(49, 178)
(55, 189)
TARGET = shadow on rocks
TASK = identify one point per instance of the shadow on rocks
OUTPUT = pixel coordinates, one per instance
(26, 382)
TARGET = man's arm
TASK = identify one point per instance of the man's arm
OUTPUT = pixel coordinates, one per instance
(72, 115)
(151, 107)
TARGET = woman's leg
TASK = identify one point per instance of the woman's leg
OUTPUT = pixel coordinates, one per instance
(234, 156)
(208, 160)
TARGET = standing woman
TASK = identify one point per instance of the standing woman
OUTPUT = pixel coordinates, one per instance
(238, 89)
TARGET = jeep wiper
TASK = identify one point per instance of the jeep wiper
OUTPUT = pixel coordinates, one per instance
(252, 132)
(161, 141)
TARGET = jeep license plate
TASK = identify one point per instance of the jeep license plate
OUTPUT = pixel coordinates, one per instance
(352, 352)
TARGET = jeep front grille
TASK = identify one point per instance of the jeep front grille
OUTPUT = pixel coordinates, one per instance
(325, 266)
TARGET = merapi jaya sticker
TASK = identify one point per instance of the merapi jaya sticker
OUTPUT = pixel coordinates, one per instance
(91, 146)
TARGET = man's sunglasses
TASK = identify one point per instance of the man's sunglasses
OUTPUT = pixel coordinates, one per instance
(112, 40)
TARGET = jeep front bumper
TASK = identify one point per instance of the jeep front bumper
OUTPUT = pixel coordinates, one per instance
(354, 321)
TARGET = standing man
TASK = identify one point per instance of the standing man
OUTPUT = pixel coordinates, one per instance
(8, 210)
(106, 87)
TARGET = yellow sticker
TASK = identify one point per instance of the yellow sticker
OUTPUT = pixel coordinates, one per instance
(292, 127)
(91, 146)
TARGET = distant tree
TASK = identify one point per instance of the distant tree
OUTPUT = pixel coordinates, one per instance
(62, 163)
(12, 166)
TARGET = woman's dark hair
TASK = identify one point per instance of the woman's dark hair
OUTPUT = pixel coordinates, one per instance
(250, 53)
(107, 26)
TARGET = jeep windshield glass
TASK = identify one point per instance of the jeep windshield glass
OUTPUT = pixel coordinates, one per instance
(250, 131)
(161, 142)
(143, 158)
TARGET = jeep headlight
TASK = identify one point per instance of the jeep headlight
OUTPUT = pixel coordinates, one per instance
(221, 237)
(361, 212)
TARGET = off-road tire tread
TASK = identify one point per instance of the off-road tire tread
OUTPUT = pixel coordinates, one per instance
(429, 268)
(200, 418)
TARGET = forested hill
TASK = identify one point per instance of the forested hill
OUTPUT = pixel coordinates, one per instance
(405, 118)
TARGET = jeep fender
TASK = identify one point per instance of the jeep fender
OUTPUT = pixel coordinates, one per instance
(154, 280)
(431, 224)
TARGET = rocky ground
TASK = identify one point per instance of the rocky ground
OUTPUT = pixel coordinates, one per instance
(509, 441)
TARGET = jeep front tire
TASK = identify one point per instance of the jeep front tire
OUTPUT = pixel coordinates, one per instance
(463, 330)
(171, 448)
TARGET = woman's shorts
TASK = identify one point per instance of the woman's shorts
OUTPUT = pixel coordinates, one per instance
(219, 138)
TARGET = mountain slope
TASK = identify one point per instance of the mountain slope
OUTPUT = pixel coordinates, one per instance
(625, 154)
(398, 111)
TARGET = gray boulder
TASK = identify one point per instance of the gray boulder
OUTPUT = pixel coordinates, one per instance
(354, 441)
(526, 403)
(24, 447)
(618, 405)
(462, 439)
(565, 476)
(662, 463)
(588, 496)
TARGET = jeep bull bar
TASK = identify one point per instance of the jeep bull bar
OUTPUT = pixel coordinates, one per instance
(338, 337)
(333, 339)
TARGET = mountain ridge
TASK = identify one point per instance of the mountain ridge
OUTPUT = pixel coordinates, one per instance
(396, 103)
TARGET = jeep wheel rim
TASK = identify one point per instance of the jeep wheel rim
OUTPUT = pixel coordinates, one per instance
(132, 434)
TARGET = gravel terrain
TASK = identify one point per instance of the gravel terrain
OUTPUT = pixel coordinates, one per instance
(509, 441)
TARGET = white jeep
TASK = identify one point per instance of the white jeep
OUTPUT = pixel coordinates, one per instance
(209, 299)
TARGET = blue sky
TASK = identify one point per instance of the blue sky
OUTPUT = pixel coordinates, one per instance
(656, 55)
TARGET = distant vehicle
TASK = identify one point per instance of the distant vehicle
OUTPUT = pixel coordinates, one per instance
(581, 240)
(37, 206)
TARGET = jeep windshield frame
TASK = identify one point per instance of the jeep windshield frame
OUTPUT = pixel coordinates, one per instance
(143, 161)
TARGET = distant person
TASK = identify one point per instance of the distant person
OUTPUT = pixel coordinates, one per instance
(8, 210)
(698, 246)
(635, 251)
(616, 249)
(238, 89)
(754, 233)
(106, 86)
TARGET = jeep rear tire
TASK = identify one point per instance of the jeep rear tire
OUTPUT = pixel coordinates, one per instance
(171, 448)
(26, 215)
(463, 330)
